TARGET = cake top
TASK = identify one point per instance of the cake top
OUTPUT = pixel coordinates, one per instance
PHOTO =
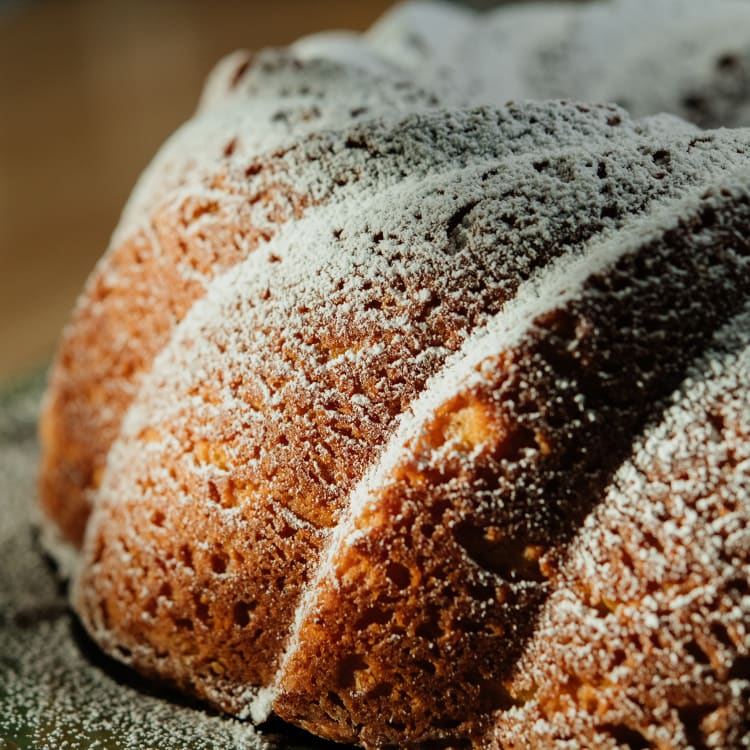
(688, 58)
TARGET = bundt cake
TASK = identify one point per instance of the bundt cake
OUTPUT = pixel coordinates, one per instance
(419, 421)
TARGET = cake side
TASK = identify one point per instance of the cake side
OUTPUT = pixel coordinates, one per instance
(644, 637)
(431, 588)
(220, 188)
(280, 387)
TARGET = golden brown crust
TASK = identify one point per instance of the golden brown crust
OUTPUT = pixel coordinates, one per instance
(413, 632)
(127, 314)
(643, 642)
(224, 184)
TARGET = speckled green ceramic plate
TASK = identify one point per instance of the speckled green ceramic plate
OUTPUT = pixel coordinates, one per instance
(57, 692)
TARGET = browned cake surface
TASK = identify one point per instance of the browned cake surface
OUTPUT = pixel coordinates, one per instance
(210, 200)
(643, 641)
(281, 386)
(413, 630)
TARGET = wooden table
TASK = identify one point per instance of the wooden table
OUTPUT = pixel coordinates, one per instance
(88, 91)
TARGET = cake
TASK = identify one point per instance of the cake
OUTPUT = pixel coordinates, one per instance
(417, 419)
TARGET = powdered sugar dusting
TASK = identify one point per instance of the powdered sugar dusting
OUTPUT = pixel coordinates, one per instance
(653, 596)
(255, 359)
(286, 378)
(259, 103)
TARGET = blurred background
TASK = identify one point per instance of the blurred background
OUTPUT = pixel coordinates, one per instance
(89, 89)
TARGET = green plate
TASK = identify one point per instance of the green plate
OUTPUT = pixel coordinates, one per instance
(57, 691)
